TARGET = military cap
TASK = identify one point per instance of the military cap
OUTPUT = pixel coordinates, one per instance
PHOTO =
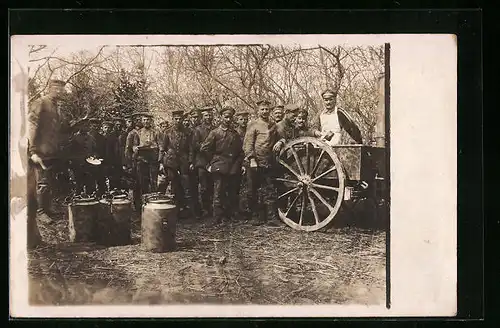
(193, 111)
(206, 108)
(94, 120)
(279, 107)
(145, 114)
(226, 109)
(303, 112)
(263, 102)
(291, 108)
(177, 113)
(242, 113)
(328, 94)
(107, 122)
(57, 83)
(118, 119)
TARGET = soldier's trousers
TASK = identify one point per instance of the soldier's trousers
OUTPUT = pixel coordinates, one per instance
(43, 183)
(83, 176)
(225, 199)
(147, 176)
(193, 181)
(206, 190)
(33, 234)
(175, 179)
(260, 182)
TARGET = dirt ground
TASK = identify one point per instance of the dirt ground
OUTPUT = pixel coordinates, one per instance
(234, 264)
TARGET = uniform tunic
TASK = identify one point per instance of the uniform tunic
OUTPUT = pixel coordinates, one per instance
(259, 141)
(223, 146)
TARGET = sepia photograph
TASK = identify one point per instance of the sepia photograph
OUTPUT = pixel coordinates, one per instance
(203, 173)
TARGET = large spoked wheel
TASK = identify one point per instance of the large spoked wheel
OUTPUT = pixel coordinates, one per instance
(310, 184)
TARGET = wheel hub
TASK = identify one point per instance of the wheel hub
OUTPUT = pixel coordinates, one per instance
(304, 180)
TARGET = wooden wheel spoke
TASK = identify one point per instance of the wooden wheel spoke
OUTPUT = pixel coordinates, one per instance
(317, 162)
(324, 173)
(288, 192)
(307, 158)
(297, 160)
(292, 204)
(286, 180)
(322, 199)
(302, 207)
(315, 185)
(289, 168)
(313, 206)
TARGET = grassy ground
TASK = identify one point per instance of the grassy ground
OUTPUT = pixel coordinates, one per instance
(234, 264)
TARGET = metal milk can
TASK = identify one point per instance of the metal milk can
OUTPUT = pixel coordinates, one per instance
(158, 224)
(115, 212)
(82, 215)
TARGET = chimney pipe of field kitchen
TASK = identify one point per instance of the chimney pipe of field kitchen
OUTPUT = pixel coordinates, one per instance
(380, 126)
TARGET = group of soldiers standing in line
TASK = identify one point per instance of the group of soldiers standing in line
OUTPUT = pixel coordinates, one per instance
(204, 155)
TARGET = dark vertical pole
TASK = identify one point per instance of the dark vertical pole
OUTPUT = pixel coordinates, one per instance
(387, 177)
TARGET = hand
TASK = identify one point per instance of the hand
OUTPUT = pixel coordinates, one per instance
(209, 169)
(277, 146)
(191, 167)
(253, 163)
(161, 168)
(243, 170)
(135, 149)
(37, 160)
(329, 135)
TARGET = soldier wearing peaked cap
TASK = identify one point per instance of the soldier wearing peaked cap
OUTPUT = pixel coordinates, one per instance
(258, 145)
(146, 149)
(45, 127)
(198, 167)
(100, 149)
(111, 155)
(278, 113)
(241, 122)
(131, 158)
(241, 127)
(175, 158)
(224, 154)
(330, 122)
(194, 117)
(286, 127)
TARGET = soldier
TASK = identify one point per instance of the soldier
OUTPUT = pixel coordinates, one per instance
(194, 117)
(97, 172)
(224, 153)
(286, 127)
(146, 152)
(175, 157)
(241, 127)
(121, 135)
(130, 157)
(258, 144)
(44, 125)
(329, 123)
(84, 146)
(162, 178)
(199, 165)
(111, 155)
(277, 115)
(301, 128)
(187, 122)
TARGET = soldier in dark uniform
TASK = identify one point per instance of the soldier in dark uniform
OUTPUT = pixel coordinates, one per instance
(146, 151)
(223, 150)
(111, 155)
(162, 178)
(175, 157)
(286, 128)
(44, 127)
(96, 170)
(194, 117)
(260, 138)
(241, 124)
(187, 122)
(121, 135)
(83, 146)
(199, 165)
(277, 114)
(301, 126)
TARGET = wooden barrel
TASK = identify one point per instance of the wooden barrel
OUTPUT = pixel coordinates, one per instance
(158, 227)
(82, 216)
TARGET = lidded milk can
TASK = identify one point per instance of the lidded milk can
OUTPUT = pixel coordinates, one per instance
(158, 224)
(115, 212)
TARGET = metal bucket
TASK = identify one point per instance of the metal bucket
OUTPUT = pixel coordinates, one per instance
(159, 220)
(82, 216)
(115, 211)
